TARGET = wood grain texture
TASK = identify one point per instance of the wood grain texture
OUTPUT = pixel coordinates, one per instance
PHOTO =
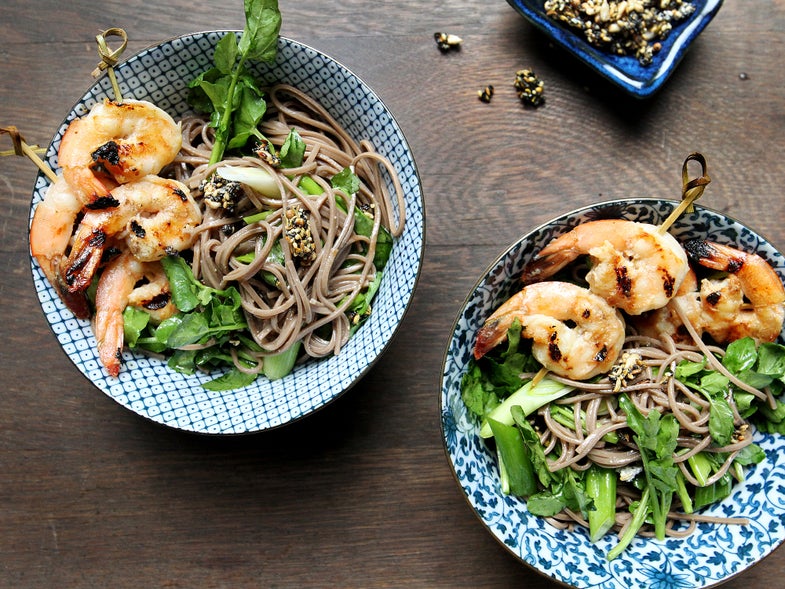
(359, 494)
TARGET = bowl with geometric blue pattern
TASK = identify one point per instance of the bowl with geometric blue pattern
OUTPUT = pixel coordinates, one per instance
(626, 71)
(712, 553)
(146, 385)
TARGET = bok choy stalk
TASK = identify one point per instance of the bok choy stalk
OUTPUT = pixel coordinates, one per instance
(601, 488)
(515, 466)
(529, 398)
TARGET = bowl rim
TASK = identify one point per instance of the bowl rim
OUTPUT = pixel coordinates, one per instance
(417, 194)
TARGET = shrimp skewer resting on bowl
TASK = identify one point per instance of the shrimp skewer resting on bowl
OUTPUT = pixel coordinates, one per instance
(109, 200)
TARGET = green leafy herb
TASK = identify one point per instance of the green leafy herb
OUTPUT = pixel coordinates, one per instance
(292, 151)
(227, 91)
(656, 436)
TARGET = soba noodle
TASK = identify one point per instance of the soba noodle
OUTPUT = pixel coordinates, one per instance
(308, 302)
(582, 443)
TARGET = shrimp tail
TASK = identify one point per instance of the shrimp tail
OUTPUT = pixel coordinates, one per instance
(110, 348)
(552, 258)
(490, 335)
(77, 302)
(714, 256)
(494, 330)
(545, 266)
(77, 272)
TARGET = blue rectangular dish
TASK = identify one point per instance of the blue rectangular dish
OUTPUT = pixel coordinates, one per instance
(639, 80)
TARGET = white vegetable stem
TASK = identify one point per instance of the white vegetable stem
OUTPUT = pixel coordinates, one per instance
(256, 178)
(530, 398)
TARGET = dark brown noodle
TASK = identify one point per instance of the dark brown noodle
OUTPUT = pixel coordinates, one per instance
(594, 415)
(310, 301)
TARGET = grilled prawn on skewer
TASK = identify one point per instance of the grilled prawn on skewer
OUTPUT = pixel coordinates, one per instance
(154, 217)
(116, 143)
(574, 332)
(746, 298)
(634, 267)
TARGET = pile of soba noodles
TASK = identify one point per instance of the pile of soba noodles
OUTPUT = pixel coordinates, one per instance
(287, 296)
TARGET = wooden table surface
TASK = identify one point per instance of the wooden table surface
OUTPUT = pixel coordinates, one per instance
(359, 494)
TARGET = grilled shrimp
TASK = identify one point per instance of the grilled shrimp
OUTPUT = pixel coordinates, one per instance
(574, 332)
(50, 235)
(748, 302)
(154, 217)
(127, 281)
(116, 143)
(634, 267)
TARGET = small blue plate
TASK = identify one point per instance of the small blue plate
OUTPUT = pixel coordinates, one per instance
(625, 71)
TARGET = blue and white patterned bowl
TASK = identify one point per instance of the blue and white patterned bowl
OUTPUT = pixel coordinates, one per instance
(625, 71)
(146, 386)
(708, 557)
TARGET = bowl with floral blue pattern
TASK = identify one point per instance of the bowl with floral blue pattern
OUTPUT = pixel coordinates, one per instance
(146, 385)
(709, 556)
(626, 71)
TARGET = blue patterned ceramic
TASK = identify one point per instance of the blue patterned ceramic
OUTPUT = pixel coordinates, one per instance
(709, 556)
(625, 71)
(145, 385)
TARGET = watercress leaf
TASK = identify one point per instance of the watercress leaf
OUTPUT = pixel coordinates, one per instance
(776, 415)
(134, 323)
(667, 436)
(182, 283)
(217, 92)
(197, 98)
(714, 383)
(182, 361)
(479, 398)
(740, 355)
(720, 421)
(247, 117)
(771, 360)
(745, 403)
(546, 503)
(293, 150)
(346, 180)
(226, 52)
(232, 379)
(684, 370)
(259, 40)
(755, 379)
(750, 454)
(574, 491)
(191, 330)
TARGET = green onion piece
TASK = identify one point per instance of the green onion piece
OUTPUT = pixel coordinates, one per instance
(261, 216)
(280, 365)
(515, 461)
(601, 487)
(310, 186)
(529, 398)
(701, 467)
